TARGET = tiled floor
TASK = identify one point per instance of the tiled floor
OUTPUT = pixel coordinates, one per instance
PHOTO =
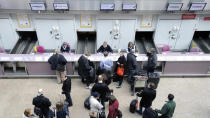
(191, 96)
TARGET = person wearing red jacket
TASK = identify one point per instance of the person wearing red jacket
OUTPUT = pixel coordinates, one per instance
(113, 107)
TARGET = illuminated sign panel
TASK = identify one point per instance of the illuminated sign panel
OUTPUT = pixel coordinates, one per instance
(107, 7)
(38, 6)
(174, 6)
(197, 6)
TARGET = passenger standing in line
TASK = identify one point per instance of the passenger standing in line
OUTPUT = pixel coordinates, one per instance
(131, 65)
(105, 48)
(65, 48)
(121, 62)
(102, 89)
(148, 95)
(84, 70)
(130, 47)
(106, 67)
(152, 61)
(42, 105)
(61, 110)
(167, 110)
(95, 105)
(58, 63)
(66, 89)
(113, 107)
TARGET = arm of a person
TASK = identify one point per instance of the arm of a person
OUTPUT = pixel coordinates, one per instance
(99, 106)
(110, 49)
(99, 50)
(163, 110)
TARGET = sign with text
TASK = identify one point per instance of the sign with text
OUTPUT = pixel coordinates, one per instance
(129, 7)
(61, 6)
(38, 6)
(188, 16)
(174, 6)
(107, 7)
(197, 6)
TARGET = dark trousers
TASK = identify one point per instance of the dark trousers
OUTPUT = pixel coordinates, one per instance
(47, 115)
(120, 79)
(131, 73)
(108, 75)
(163, 116)
(150, 70)
(68, 98)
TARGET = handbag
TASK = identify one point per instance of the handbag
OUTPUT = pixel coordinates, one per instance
(120, 70)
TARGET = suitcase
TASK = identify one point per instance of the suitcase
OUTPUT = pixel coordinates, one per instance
(87, 103)
(133, 105)
(154, 78)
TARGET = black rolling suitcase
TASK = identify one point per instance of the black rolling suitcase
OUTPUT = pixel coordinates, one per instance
(154, 78)
(133, 105)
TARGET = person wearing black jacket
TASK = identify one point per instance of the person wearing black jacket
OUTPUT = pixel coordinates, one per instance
(152, 61)
(148, 95)
(105, 48)
(66, 88)
(131, 66)
(121, 62)
(102, 89)
(85, 69)
(65, 48)
(150, 113)
(58, 62)
(42, 103)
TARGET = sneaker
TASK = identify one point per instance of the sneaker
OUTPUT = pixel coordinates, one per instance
(90, 87)
(118, 86)
(87, 87)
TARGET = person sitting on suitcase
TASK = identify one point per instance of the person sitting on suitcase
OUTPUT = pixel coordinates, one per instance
(148, 95)
(95, 105)
(66, 89)
(167, 110)
(42, 105)
(102, 89)
(113, 107)
(152, 61)
(61, 110)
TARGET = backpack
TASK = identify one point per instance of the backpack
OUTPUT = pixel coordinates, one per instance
(119, 114)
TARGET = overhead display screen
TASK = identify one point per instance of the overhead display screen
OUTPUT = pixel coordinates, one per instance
(197, 6)
(61, 6)
(174, 6)
(129, 7)
(107, 7)
(38, 6)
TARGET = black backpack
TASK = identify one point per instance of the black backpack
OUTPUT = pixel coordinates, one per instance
(87, 103)
(119, 114)
(133, 105)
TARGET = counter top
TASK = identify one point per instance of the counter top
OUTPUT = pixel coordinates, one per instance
(97, 57)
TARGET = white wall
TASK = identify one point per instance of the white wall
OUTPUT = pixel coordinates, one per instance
(202, 24)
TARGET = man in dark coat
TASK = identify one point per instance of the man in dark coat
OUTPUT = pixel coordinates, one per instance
(152, 61)
(42, 103)
(131, 66)
(148, 95)
(66, 88)
(84, 69)
(101, 88)
(105, 48)
(58, 63)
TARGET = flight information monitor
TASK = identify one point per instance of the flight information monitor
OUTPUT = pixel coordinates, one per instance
(38, 6)
(174, 6)
(61, 6)
(197, 6)
(107, 7)
(129, 7)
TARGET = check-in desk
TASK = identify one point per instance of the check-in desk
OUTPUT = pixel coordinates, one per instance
(172, 64)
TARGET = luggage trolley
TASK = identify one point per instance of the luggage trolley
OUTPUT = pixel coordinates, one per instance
(140, 82)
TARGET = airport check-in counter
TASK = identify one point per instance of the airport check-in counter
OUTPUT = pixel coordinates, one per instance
(173, 64)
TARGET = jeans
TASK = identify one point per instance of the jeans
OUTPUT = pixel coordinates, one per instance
(130, 75)
(68, 98)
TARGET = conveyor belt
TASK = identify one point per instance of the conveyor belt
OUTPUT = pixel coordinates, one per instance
(143, 45)
(203, 43)
(24, 46)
